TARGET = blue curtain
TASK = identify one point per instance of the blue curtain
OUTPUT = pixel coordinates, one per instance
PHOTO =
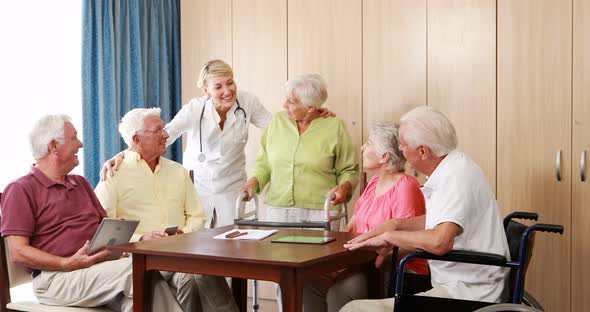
(130, 59)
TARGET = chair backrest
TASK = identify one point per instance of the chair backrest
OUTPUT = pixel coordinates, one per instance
(11, 274)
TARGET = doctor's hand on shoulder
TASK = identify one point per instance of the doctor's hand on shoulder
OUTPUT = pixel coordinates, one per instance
(110, 166)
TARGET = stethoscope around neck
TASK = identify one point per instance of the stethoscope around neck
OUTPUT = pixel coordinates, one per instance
(202, 156)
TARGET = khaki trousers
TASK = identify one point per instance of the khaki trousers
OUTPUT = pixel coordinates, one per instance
(386, 305)
(108, 283)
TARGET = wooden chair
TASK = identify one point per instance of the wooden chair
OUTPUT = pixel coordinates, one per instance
(16, 291)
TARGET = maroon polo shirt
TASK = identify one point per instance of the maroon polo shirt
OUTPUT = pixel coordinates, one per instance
(57, 218)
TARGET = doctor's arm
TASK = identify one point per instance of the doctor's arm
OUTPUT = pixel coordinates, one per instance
(261, 117)
(184, 120)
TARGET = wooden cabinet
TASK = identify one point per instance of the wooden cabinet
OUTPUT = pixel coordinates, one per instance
(394, 60)
(462, 74)
(580, 157)
(534, 133)
(324, 37)
(259, 29)
(205, 34)
(513, 76)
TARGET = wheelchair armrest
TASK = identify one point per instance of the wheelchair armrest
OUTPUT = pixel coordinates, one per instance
(463, 256)
(466, 256)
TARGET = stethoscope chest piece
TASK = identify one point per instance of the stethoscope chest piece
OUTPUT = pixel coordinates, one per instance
(201, 157)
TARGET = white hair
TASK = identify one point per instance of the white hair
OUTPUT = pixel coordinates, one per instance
(133, 122)
(386, 140)
(310, 89)
(429, 127)
(48, 128)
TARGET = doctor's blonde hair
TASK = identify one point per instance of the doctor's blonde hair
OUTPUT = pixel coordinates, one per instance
(213, 68)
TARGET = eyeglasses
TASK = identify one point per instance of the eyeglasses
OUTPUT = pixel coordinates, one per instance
(158, 132)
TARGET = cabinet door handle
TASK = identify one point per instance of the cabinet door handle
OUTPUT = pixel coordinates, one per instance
(558, 165)
(583, 166)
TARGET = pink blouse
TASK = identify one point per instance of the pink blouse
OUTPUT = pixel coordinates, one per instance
(403, 200)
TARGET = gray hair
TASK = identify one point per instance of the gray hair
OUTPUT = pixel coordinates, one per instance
(133, 122)
(429, 127)
(310, 89)
(48, 128)
(386, 139)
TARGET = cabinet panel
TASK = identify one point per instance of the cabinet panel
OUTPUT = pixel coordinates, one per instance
(205, 34)
(462, 74)
(260, 57)
(324, 37)
(581, 142)
(534, 123)
(394, 60)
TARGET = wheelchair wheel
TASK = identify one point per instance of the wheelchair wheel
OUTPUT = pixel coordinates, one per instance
(507, 307)
(529, 300)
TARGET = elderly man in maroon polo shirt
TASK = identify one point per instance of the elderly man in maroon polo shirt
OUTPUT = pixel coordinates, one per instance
(49, 216)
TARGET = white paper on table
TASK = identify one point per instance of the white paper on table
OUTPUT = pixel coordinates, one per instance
(252, 234)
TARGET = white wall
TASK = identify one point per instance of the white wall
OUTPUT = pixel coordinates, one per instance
(40, 72)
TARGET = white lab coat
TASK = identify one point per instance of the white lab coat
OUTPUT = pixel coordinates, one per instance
(219, 177)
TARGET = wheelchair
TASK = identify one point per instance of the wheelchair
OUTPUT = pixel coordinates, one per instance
(520, 240)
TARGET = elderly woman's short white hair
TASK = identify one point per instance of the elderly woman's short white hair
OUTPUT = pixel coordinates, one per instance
(310, 89)
(48, 128)
(385, 136)
(133, 122)
(428, 127)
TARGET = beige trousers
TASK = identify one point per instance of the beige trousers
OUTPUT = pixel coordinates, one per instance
(319, 299)
(108, 283)
(386, 305)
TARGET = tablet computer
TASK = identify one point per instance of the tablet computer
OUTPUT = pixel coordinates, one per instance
(112, 232)
(304, 239)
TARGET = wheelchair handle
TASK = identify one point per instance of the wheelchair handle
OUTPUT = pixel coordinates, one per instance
(520, 215)
(524, 215)
(551, 228)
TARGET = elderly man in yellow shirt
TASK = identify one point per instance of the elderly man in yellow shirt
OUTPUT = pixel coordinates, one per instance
(159, 192)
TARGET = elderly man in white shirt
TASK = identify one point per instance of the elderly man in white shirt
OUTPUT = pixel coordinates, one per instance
(461, 213)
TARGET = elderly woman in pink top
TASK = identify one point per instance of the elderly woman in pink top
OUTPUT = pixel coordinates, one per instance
(390, 194)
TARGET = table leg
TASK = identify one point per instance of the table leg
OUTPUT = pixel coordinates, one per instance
(291, 291)
(141, 284)
(239, 289)
(376, 282)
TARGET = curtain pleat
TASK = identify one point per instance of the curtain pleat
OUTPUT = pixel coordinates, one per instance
(130, 59)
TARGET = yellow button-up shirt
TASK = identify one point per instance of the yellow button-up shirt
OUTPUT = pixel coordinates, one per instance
(158, 199)
(301, 169)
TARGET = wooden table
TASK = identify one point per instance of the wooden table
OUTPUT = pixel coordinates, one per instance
(289, 265)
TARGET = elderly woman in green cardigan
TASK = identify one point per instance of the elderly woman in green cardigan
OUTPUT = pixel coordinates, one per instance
(303, 157)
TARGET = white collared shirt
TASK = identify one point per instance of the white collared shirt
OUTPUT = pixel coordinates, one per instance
(225, 161)
(458, 192)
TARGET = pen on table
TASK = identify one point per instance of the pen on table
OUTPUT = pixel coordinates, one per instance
(229, 235)
(238, 235)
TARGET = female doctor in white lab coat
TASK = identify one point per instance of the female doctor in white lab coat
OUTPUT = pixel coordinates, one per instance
(217, 131)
